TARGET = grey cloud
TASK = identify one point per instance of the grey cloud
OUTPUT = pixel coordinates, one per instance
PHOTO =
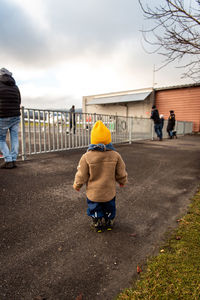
(19, 38)
(76, 28)
(93, 22)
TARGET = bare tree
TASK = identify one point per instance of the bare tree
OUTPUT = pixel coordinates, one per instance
(175, 33)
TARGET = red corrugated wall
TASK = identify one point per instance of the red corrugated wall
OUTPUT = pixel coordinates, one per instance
(184, 101)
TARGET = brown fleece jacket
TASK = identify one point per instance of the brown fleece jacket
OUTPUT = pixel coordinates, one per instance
(100, 171)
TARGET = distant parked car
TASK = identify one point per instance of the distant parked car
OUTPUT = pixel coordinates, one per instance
(30, 114)
(56, 117)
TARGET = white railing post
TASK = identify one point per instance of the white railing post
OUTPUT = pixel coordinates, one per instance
(152, 130)
(130, 130)
(23, 134)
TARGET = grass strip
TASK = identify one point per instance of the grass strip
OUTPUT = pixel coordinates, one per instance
(175, 272)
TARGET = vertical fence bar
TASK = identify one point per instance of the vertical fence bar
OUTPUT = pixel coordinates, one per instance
(152, 130)
(85, 129)
(78, 126)
(130, 130)
(75, 129)
(58, 144)
(114, 129)
(23, 134)
(49, 130)
(88, 133)
(65, 129)
(69, 130)
(44, 124)
(61, 130)
(39, 132)
(72, 128)
(34, 132)
(29, 131)
(53, 124)
(125, 130)
(177, 128)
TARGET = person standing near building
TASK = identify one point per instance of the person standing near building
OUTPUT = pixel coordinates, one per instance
(171, 124)
(157, 122)
(10, 101)
(72, 119)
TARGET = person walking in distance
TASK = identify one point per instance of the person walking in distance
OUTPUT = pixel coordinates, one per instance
(10, 101)
(171, 124)
(72, 119)
(157, 122)
(100, 168)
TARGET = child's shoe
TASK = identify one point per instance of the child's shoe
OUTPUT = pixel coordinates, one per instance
(97, 224)
(109, 224)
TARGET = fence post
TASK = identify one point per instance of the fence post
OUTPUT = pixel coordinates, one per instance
(23, 134)
(183, 128)
(152, 130)
(176, 127)
(130, 130)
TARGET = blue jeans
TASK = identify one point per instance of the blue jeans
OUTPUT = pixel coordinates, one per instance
(105, 210)
(158, 130)
(11, 124)
(170, 132)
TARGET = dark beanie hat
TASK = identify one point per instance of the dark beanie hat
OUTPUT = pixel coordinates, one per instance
(4, 71)
(153, 106)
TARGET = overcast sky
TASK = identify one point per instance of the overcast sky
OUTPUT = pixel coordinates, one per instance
(59, 51)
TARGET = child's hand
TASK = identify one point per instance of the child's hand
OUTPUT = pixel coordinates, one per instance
(121, 185)
(76, 188)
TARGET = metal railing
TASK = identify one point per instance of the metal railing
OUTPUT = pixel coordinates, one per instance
(45, 131)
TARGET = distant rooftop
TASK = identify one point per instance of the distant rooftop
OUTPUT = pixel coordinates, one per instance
(132, 95)
(196, 84)
(120, 98)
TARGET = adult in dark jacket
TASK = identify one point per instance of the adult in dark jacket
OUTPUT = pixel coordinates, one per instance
(72, 120)
(157, 122)
(171, 124)
(10, 101)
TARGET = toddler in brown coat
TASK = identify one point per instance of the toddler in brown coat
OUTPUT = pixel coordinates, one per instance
(100, 168)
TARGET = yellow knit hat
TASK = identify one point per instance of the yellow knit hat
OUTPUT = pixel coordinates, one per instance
(100, 134)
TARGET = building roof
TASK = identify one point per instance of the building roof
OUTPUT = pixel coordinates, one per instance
(196, 84)
(120, 98)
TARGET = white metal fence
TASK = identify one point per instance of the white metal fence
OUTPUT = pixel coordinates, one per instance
(49, 131)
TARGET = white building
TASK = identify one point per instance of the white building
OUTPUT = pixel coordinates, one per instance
(134, 103)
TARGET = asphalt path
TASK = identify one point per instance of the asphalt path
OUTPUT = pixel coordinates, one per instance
(47, 248)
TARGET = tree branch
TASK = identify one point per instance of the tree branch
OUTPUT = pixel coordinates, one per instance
(176, 33)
